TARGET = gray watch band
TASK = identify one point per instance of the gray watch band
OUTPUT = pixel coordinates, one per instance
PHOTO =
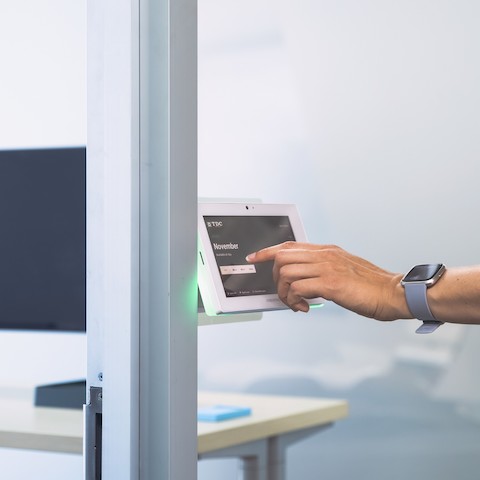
(416, 295)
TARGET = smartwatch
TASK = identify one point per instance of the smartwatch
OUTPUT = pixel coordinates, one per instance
(415, 283)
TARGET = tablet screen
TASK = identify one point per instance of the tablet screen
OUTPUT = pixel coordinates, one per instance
(233, 237)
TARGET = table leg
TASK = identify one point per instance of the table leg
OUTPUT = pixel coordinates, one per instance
(276, 458)
(253, 457)
(253, 468)
(264, 459)
(277, 450)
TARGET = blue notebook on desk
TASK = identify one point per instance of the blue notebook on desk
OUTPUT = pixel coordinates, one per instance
(217, 413)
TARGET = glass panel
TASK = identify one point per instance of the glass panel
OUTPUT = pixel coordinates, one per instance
(366, 117)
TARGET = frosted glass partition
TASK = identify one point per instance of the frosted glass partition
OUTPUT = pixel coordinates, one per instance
(365, 115)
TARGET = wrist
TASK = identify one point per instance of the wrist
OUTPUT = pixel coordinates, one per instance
(393, 304)
(399, 303)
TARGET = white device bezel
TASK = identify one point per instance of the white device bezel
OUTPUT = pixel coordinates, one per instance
(209, 281)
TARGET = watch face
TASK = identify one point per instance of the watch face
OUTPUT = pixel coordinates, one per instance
(423, 273)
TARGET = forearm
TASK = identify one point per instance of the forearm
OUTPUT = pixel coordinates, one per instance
(456, 296)
(303, 271)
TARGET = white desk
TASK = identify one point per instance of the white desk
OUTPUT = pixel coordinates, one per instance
(259, 440)
(48, 429)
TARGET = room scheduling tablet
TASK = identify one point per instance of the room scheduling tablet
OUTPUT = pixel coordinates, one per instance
(228, 232)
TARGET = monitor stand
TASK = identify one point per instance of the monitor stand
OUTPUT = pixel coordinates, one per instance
(61, 395)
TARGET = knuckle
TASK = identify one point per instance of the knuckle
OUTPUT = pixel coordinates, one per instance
(282, 272)
(332, 253)
(281, 255)
(295, 290)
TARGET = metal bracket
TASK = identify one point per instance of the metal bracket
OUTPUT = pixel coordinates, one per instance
(93, 435)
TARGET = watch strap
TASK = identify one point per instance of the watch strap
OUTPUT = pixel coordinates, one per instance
(416, 295)
(428, 326)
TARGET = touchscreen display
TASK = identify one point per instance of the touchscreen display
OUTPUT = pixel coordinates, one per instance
(233, 238)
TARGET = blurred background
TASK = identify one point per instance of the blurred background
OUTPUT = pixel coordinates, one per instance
(42, 104)
(366, 115)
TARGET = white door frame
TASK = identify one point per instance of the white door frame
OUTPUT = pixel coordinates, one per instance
(141, 235)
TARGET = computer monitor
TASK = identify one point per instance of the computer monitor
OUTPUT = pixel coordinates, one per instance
(42, 240)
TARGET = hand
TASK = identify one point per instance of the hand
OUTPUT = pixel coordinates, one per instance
(303, 271)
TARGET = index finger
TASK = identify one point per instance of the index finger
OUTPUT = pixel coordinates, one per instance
(269, 253)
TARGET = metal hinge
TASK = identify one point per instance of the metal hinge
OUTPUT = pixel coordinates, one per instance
(93, 435)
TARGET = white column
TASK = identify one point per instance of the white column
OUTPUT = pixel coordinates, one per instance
(168, 320)
(141, 234)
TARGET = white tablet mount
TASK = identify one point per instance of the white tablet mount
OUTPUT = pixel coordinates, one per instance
(229, 230)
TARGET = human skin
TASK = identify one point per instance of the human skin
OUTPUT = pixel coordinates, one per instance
(302, 271)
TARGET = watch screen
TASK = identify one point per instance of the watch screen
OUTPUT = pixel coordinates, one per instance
(422, 273)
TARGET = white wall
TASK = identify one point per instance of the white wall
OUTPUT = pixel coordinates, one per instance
(43, 103)
(42, 86)
(364, 114)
